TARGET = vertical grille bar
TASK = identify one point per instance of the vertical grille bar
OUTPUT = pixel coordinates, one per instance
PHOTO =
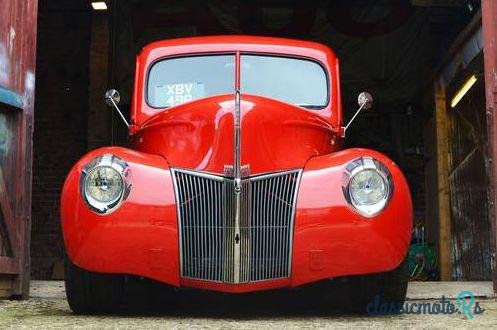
(275, 197)
(206, 219)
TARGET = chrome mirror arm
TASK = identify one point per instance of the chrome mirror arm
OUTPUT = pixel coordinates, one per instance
(119, 112)
(112, 99)
(365, 101)
(352, 119)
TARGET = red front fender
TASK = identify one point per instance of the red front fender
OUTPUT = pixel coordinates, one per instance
(331, 238)
(140, 237)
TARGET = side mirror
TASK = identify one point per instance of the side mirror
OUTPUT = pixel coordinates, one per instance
(112, 98)
(365, 101)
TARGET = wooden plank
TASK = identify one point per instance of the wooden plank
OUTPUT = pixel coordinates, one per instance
(29, 10)
(445, 234)
(19, 18)
(6, 282)
(9, 265)
(8, 215)
(10, 97)
(21, 288)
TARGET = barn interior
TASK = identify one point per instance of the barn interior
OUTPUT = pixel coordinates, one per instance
(413, 56)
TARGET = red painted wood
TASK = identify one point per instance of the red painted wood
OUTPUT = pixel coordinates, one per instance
(489, 23)
(18, 21)
(8, 216)
(9, 265)
(17, 43)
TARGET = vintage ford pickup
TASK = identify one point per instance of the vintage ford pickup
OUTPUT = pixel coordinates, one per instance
(236, 181)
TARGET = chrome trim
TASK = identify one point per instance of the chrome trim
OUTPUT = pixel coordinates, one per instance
(178, 212)
(218, 245)
(244, 171)
(359, 165)
(228, 173)
(112, 98)
(198, 173)
(116, 163)
(294, 209)
(237, 141)
(271, 175)
(238, 187)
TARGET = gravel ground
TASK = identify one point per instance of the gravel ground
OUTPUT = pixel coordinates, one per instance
(49, 309)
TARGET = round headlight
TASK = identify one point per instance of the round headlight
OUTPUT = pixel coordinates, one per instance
(104, 183)
(369, 186)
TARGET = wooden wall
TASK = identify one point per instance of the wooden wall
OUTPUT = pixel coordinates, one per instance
(467, 140)
(17, 80)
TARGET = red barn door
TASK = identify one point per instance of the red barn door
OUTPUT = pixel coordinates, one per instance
(17, 79)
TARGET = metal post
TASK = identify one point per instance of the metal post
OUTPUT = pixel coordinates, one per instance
(489, 23)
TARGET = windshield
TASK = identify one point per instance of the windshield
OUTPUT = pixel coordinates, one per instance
(297, 81)
(292, 80)
(179, 80)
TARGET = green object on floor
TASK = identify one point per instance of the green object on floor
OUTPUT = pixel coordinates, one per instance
(423, 265)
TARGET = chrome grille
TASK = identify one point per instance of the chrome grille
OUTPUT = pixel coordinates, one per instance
(214, 247)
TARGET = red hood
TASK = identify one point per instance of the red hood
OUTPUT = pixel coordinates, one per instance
(199, 135)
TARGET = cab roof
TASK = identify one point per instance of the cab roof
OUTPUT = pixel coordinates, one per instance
(233, 43)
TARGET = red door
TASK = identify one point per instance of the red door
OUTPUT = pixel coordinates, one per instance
(17, 79)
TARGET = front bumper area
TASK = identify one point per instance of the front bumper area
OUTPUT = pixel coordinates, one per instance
(329, 239)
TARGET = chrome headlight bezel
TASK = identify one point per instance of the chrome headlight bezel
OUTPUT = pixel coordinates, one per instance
(115, 163)
(368, 163)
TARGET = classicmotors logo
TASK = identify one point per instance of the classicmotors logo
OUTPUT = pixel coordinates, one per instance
(465, 304)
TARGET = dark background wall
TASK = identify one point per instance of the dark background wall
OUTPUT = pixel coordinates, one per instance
(60, 120)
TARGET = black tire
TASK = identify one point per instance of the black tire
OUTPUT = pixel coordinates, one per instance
(382, 293)
(93, 293)
(149, 296)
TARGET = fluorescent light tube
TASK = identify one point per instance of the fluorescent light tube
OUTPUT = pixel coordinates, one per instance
(99, 5)
(463, 90)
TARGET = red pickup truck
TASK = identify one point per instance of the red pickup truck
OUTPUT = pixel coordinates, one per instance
(236, 181)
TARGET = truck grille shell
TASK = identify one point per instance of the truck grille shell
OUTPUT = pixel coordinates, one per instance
(214, 247)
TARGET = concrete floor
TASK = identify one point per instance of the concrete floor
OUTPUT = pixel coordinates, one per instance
(47, 308)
